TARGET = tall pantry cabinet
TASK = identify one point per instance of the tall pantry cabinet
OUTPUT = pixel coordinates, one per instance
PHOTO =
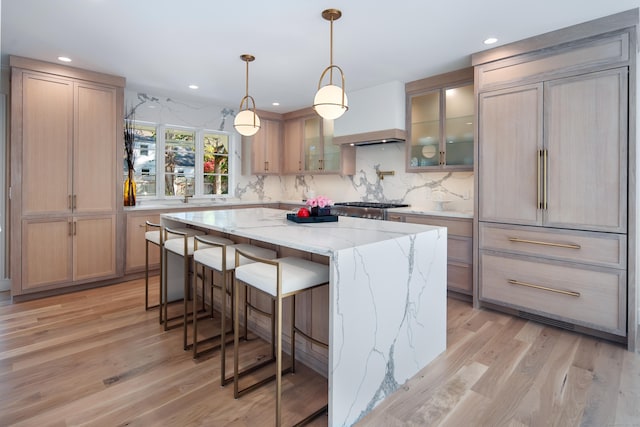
(66, 127)
(555, 184)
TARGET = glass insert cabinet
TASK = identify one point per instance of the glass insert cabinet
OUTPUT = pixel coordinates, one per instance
(440, 121)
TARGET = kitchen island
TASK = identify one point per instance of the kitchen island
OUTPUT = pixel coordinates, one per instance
(387, 295)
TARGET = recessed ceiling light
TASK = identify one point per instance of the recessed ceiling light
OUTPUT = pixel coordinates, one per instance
(490, 40)
(193, 86)
(275, 104)
(64, 59)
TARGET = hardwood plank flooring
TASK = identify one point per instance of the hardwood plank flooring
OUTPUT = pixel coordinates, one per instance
(97, 358)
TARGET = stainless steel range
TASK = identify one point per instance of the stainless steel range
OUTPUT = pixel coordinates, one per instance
(371, 210)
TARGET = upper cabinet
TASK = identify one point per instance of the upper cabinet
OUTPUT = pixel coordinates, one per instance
(265, 147)
(440, 122)
(309, 147)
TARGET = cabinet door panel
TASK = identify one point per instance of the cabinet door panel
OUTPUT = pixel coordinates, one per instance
(292, 150)
(135, 252)
(46, 252)
(94, 149)
(510, 139)
(46, 144)
(94, 247)
(587, 146)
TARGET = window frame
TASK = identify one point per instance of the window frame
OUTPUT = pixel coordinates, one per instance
(199, 133)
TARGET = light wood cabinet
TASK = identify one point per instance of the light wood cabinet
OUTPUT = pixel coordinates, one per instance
(265, 148)
(440, 122)
(459, 247)
(552, 182)
(309, 147)
(66, 129)
(135, 242)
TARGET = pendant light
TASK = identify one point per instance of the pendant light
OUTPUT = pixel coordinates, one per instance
(247, 122)
(330, 101)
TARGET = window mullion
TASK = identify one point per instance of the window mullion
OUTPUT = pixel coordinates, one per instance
(160, 166)
(198, 174)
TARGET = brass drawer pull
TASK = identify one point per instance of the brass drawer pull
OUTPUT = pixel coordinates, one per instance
(544, 288)
(536, 242)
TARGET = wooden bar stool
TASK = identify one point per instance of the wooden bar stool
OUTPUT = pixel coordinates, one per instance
(154, 235)
(279, 278)
(183, 248)
(220, 258)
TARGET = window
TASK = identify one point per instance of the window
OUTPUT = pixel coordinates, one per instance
(216, 163)
(177, 161)
(144, 149)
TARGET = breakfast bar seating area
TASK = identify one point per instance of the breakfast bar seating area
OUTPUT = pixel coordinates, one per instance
(397, 269)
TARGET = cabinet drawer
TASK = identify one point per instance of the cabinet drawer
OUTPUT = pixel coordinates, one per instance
(595, 298)
(459, 277)
(460, 249)
(457, 227)
(603, 249)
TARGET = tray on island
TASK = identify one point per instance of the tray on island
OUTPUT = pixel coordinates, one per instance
(311, 219)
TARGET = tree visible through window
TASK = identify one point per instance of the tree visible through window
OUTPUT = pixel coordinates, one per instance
(216, 163)
(179, 162)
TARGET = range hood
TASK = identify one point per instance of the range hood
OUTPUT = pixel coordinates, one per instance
(386, 136)
(376, 116)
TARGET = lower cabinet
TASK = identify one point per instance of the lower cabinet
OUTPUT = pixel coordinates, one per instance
(570, 276)
(66, 251)
(135, 243)
(459, 247)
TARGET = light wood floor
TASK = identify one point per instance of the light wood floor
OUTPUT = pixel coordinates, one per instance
(97, 358)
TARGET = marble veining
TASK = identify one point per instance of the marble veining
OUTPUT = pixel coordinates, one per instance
(387, 296)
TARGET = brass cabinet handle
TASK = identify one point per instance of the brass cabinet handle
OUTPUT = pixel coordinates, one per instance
(70, 228)
(538, 199)
(544, 288)
(266, 166)
(442, 158)
(74, 228)
(538, 242)
(299, 165)
(395, 218)
(73, 205)
(545, 166)
(321, 164)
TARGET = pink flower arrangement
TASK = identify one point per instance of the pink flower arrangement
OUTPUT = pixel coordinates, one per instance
(319, 202)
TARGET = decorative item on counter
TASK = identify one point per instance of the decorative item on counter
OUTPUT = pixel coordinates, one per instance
(129, 191)
(320, 206)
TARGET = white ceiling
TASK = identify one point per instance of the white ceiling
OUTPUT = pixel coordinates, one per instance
(162, 46)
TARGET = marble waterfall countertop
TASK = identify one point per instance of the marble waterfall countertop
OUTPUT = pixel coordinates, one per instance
(387, 296)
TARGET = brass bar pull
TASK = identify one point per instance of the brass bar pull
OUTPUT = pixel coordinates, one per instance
(73, 205)
(74, 228)
(545, 166)
(538, 201)
(70, 228)
(537, 242)
(266, 166)
(321, 164)
(299, 165)
(442, 158)
(544, 288)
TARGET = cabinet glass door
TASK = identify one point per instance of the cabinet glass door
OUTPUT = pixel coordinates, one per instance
(458, 125)
(331, 152)
(425, 130)
(312, 144)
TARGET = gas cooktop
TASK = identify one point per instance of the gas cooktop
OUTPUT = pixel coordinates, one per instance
(372, 205)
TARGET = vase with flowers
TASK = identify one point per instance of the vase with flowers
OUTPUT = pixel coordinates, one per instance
(320, 205)
(129, 191)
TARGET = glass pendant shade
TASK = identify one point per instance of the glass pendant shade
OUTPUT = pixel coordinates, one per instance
(247, 123)
(330, 102)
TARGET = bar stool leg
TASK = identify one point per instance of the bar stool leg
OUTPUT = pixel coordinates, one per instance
(292, 333)
(278, 360)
